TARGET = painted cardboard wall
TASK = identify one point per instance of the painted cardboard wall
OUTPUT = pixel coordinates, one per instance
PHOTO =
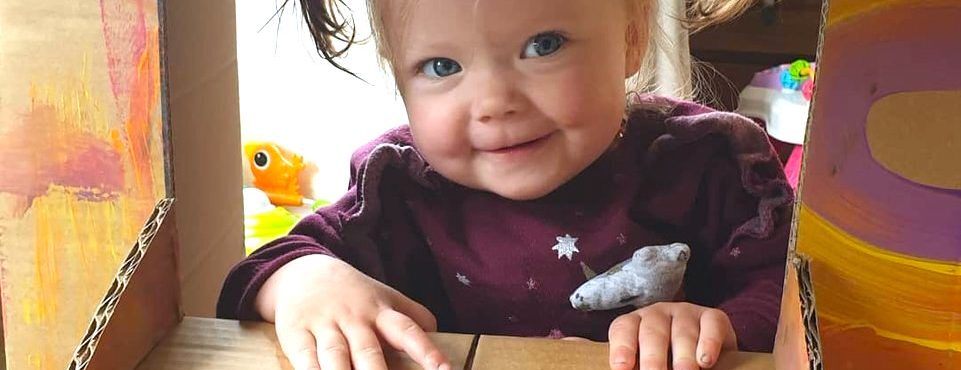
(201, 60)
(881, 198)
(204, 131)
(95, 96)
(81, 113)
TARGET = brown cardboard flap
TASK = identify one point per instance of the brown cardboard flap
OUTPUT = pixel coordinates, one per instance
(141, 305)
(507, 353)
(212, 344)
(510, 353)
(204, 123)
(798, 341)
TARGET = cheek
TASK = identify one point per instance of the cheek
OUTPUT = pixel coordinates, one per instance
(585, 97)
(437, 129)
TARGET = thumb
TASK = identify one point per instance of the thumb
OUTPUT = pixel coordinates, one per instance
(417, 312)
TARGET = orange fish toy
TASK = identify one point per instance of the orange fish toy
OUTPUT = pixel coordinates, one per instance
(276, 172)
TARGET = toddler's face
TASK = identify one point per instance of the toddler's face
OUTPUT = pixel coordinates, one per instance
(512, 97)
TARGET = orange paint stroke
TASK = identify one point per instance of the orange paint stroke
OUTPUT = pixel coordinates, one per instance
(852, 348)
(144, 105)
(902, 298)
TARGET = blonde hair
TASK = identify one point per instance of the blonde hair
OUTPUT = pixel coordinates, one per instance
(334, 32)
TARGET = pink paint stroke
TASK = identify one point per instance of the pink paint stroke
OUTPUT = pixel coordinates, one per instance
(40, 153)
(125, 35)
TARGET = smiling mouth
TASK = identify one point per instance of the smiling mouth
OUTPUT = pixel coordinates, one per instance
(527, 145)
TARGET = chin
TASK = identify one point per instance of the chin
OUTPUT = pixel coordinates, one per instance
(525, 191)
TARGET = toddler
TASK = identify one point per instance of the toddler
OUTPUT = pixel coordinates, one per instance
(525, 163)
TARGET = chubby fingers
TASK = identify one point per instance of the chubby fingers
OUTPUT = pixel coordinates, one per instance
(365, 350)
(332, 349)
(685, 329)
(623, 341)
(654, 337)
(404, 334)
(716, 334)
(299, 346)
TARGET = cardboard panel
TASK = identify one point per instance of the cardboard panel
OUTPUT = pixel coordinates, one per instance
(142, 303)
(201, 60)
(510, 353)
(81, 124)
(202, 344)
(211, 344)
(879, 214)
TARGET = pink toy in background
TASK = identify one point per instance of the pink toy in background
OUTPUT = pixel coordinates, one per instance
(781, 98)
(792, 169)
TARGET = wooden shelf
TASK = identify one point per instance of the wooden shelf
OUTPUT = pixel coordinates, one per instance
(209, 344)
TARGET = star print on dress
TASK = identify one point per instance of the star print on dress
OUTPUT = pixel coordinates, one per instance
(555, 334)
(565, 247)
(531, 284)
(463, 279)
(735, 252)
(621, 239)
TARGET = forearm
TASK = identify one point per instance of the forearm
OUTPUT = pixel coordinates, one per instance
(240, 297)
(754, 310)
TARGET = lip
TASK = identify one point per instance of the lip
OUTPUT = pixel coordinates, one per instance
(526, 146)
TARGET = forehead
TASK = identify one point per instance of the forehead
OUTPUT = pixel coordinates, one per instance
(406, 21)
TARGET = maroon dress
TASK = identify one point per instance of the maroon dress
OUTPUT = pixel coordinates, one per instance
(485, 264)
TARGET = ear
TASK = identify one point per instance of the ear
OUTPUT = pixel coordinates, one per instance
(635, 38)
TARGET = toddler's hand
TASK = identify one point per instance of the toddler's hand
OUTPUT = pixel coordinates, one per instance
(695, 335)
(331, 316)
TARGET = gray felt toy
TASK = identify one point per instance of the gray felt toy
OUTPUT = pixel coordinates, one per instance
(653, 274)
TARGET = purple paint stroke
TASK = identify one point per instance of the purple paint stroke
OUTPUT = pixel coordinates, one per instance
(41, 152)
(892, 50)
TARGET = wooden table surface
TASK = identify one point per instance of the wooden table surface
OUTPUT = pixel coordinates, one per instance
(208, 344)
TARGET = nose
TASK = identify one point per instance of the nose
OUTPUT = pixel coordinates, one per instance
(577, 301)
(496, 97)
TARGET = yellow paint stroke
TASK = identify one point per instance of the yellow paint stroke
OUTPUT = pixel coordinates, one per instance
(46, 277)
(898, 296)
(76, 255)
(79, 243)
(76, 108)
(842, 10)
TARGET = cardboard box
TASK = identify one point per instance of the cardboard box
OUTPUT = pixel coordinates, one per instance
(203, 344)
(873, 280)
(99, 264)
(111, 107)
(139, 327)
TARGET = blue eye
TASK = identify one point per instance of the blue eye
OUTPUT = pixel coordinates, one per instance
(440, 67)
(544, 44)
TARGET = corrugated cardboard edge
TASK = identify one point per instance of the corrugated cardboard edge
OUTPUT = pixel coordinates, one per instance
(143, 301)
(3, 345)
(798, 288)
(812, 335)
